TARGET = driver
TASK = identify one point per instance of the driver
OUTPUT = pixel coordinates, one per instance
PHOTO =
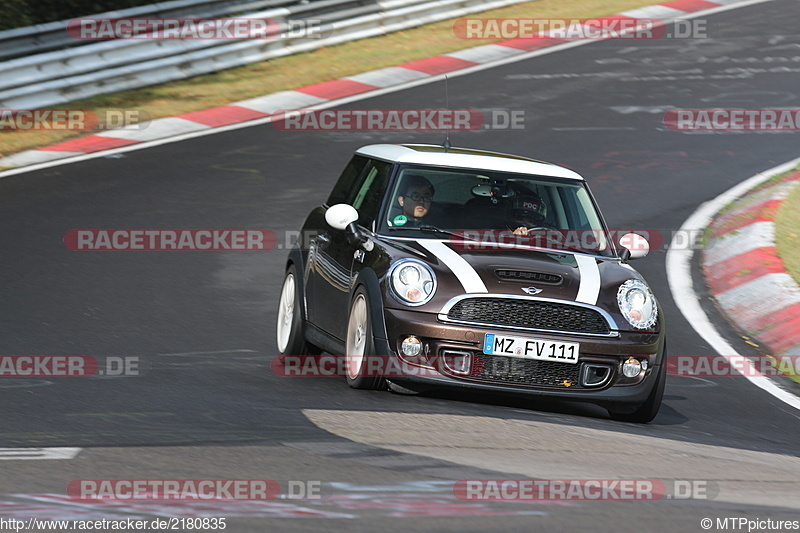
(415, 200)
(527, 213)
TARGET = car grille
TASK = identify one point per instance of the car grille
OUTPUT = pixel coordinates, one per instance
(535, 314)
(525, 275)
(498, 369)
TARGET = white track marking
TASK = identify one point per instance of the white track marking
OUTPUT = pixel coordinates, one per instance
(180, 354)
(27, 454)
(679, 277)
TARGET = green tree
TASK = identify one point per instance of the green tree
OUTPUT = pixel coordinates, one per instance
(19, 13)
(14, 14)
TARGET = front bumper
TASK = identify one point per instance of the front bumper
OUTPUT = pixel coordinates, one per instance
(512, 375)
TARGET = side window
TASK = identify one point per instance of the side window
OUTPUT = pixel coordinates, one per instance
(345, 188)
(371, 192)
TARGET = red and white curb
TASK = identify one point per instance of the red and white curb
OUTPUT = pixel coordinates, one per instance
(746, 275)
(680, 278)
(326, 92)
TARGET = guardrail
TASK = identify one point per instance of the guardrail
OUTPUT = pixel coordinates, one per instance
(41, 38)
(105, 55)
(60, 77)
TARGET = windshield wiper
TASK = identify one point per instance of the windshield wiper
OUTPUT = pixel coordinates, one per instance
(434, 229)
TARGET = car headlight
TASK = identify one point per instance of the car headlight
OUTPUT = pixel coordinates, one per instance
(412, 282)
(637, 304)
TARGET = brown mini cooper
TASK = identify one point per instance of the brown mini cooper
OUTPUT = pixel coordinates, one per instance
(434, 268)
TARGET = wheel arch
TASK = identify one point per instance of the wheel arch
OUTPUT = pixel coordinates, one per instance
(296, 258)
(368, 279)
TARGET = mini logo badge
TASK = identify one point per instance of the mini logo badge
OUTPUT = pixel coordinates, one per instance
(531, 290)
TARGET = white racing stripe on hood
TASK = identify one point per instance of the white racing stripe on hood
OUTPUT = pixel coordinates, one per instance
(589, 289)
(469, 279)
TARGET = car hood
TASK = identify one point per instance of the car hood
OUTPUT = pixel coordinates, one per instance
(474, 268)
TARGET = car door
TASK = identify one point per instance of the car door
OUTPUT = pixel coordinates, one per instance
(333, 269)
(320, 264)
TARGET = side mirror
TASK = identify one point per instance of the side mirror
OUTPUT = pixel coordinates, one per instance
(635, 246)
(343, 217)
(340, 216)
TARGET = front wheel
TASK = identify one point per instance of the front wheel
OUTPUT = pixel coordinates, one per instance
(648, 410)
(360, 346)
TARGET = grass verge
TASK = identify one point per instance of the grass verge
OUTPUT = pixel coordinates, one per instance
(347, 59)
(787, 232)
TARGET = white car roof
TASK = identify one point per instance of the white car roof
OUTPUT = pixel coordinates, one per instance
(428, 154)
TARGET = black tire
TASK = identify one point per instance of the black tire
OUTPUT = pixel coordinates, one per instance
(289, 328)
(360, 345)
(648, 410)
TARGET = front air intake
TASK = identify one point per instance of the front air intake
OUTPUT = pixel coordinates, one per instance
(595, 375)
(526, 275)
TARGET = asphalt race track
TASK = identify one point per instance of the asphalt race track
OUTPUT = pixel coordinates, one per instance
(201, 324)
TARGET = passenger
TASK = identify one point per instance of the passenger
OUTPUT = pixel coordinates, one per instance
(527, 213)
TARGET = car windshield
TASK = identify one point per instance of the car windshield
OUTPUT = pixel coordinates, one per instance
(494, 207)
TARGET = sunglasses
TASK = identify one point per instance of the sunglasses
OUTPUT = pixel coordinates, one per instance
(420, 197)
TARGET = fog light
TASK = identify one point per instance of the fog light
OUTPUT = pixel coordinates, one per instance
(644, 365)
(412, 346)
(632, 367)
(457, 362)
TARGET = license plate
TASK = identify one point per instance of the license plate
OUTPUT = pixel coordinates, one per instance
(528, 348)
